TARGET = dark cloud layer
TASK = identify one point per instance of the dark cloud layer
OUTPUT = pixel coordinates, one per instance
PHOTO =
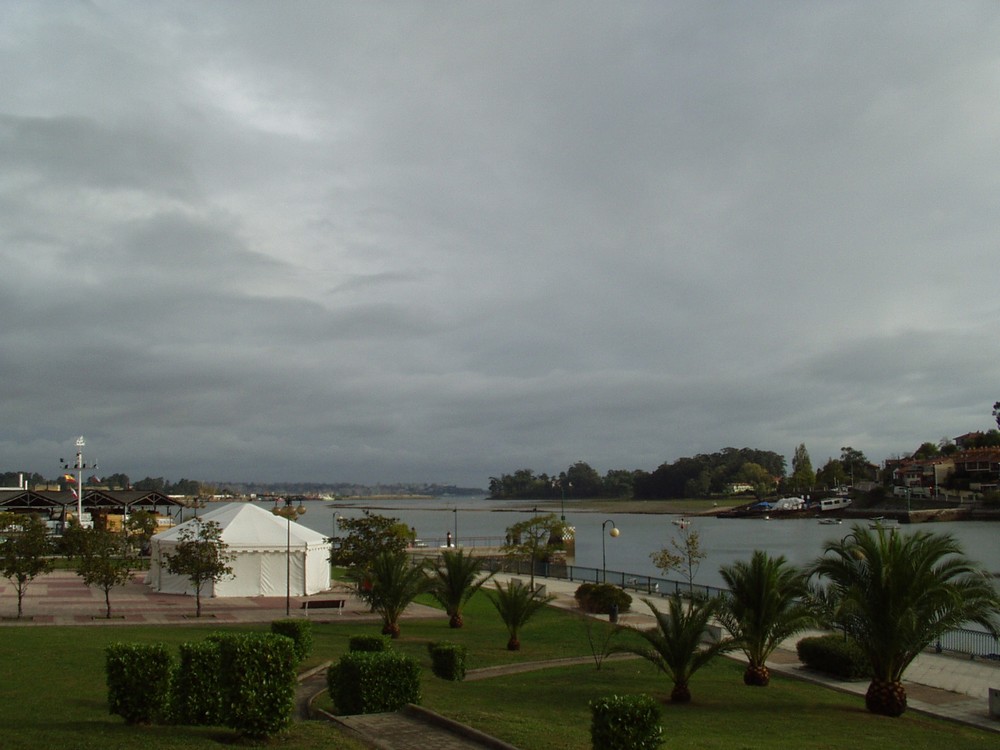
(362, 242)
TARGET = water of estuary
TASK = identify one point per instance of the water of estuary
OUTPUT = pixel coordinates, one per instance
(477, 520)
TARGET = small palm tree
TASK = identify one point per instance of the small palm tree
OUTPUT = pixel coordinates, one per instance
(766, 604)
(895, 594)
(455, 581)
(516, 604)
(676, 644)
(390, 585)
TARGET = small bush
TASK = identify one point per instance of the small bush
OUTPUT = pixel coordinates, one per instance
(369, 643)
(138, 676)
(600, 597)
(300, 631)
(194, 693)
(625, 722)
(447, 660)
(834, 655)
(365, 682)
(257, 682)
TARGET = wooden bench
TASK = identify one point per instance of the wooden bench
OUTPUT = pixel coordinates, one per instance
(337, 604)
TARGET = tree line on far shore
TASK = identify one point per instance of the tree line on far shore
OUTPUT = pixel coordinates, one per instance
(748, 470)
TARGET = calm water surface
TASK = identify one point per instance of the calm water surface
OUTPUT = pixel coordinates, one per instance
(725, 540)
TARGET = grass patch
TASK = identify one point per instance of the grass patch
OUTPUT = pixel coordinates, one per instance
(53, 694)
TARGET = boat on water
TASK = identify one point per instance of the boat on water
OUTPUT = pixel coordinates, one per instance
(830, 521)
(683, 523)
(880, 522)
(834, 503)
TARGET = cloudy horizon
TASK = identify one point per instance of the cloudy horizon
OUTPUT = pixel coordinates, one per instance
(435, 242)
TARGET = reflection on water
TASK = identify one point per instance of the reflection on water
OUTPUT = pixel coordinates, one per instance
(726, 540)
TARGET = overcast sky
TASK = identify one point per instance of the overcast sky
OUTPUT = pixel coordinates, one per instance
(361, 242)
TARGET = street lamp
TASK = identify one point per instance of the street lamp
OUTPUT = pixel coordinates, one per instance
(562, 490)
(604, 555)
(455, 511)
(288, 512)
(337, 518)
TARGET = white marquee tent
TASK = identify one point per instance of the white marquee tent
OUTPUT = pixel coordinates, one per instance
(261, 543)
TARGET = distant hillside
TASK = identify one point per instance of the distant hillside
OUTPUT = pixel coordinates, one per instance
(346, 489)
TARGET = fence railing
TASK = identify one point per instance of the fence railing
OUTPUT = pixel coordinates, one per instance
(971, 643)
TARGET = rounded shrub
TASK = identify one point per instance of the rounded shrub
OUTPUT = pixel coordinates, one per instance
(599, 598)
(834, 655)
(625, 722)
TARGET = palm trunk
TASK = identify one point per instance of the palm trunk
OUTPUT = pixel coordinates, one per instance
(757, 675)
(886, 697)
(680, 693)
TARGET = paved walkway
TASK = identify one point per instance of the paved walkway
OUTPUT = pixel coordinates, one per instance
(61, 598)
(936, 684)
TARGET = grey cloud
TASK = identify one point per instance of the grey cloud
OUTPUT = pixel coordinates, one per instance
(368, 242)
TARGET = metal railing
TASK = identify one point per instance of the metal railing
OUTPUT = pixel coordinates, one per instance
(971, 643)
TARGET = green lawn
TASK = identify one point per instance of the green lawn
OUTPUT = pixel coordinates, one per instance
(53, 695)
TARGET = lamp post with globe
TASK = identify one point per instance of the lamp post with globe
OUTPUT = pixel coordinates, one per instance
(288, 512)
(604, 555)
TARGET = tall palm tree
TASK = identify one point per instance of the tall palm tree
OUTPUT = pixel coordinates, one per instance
(455, 581)
(676, 645)
(766, 604)
(895, 593)
(391, 584)
(516, 604)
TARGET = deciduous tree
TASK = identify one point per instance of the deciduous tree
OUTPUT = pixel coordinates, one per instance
(24, 546)
(105, 561)
(534, 538)
(683, 554)
(201, 556)
(365, 538)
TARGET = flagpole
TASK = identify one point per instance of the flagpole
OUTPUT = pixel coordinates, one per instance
(79, 465)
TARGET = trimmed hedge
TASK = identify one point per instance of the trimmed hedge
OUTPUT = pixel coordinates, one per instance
(367, 682)
(256, 682)
(599, 598)
(369, 643)
(138, 677)
(447, 660)
(834, 655)
(194, 694)
(625, 722)
(300, 631)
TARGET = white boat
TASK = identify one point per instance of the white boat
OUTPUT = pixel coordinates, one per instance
(682, 522)
(883, 523)
(830, 521)
(833, 503)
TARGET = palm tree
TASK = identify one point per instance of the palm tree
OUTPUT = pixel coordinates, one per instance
(676, 645)
(895, 593)
(516, 604)
(392, 583)
(766, 604)
(455, 581)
